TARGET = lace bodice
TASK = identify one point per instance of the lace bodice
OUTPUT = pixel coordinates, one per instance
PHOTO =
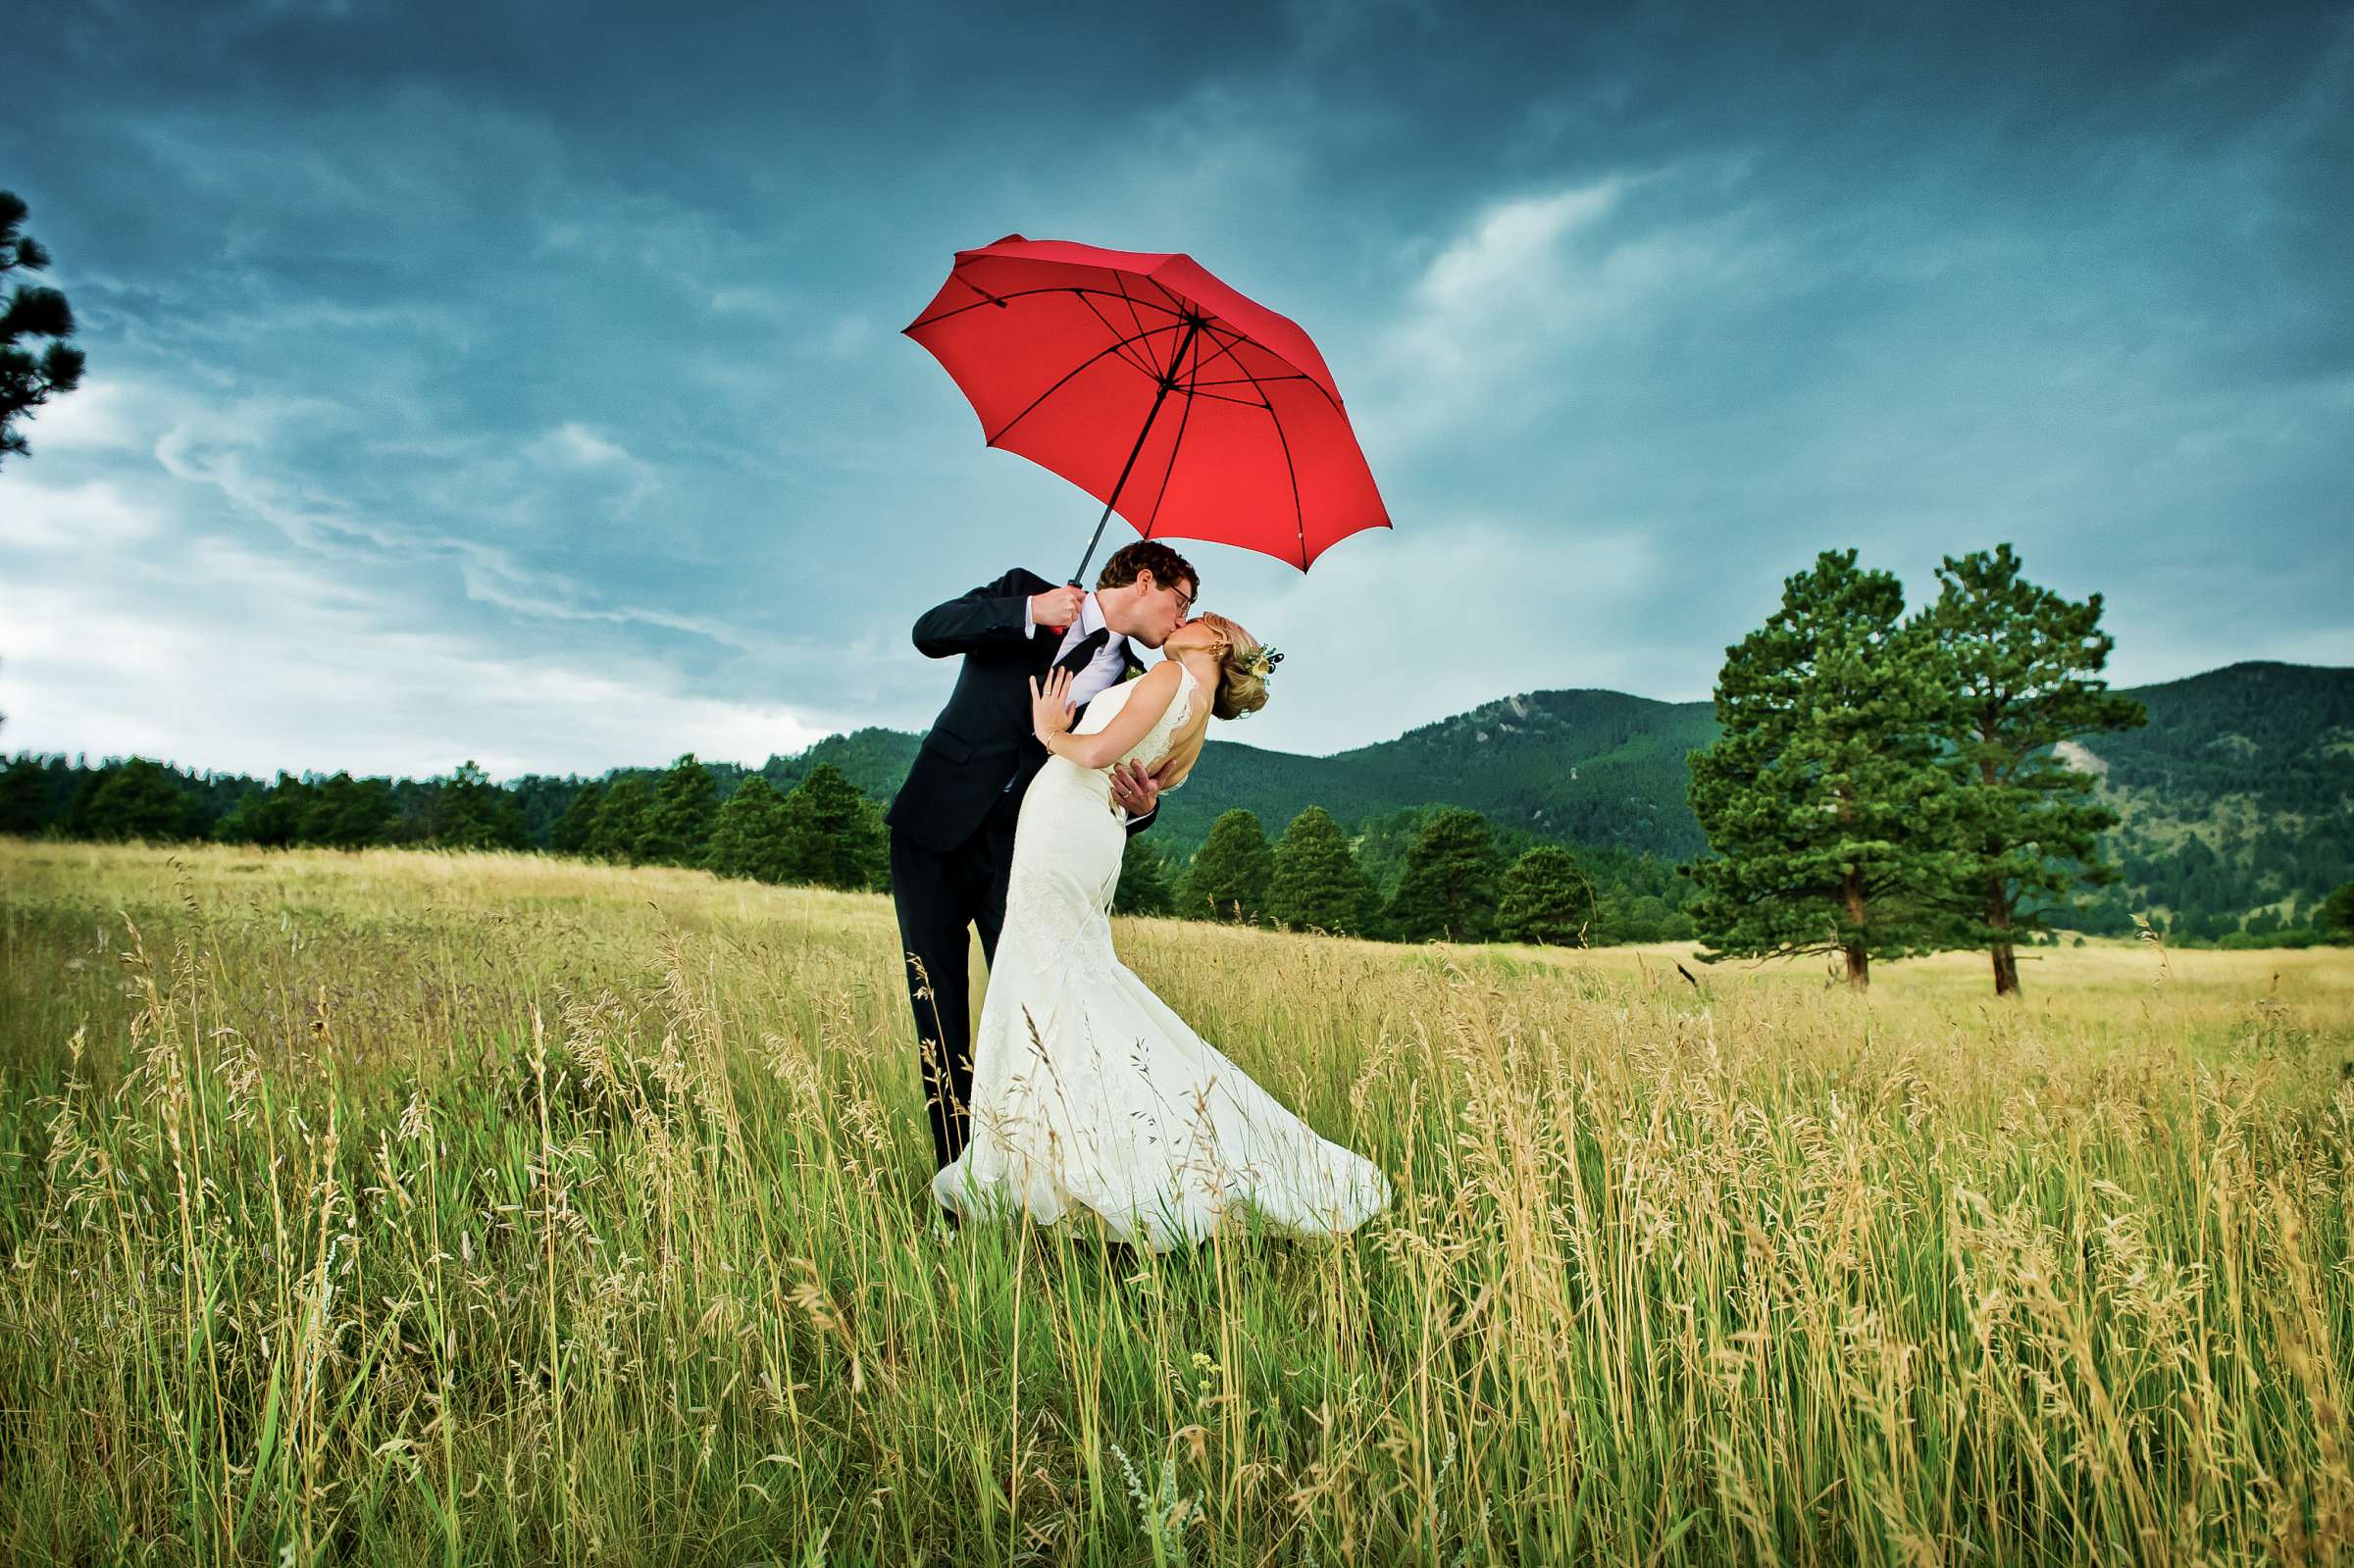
(1155, 744)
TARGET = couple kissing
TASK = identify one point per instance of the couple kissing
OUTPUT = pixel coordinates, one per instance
(1081, 1093)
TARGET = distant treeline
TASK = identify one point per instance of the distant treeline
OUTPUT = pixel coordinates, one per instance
(1872, 784)
(1431, 872)
(819, 828)
(1404, 875)
(1410, 874)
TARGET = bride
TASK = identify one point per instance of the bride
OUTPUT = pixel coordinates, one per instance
(1088, 1091)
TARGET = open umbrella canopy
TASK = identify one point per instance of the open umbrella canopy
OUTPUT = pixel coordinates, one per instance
(1182, 404)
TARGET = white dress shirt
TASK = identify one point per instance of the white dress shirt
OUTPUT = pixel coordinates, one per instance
(1102, 671)
(1109, 663)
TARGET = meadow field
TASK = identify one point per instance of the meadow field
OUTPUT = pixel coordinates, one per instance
(410, 1207)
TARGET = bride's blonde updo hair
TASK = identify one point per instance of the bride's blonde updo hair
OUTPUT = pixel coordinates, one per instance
(1241, 688)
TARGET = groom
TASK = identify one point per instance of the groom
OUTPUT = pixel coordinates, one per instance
(951, 826)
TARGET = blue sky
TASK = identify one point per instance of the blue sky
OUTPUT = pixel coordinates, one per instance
(524, 381)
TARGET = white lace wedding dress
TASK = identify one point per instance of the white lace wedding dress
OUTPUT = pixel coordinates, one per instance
(1088, 1091)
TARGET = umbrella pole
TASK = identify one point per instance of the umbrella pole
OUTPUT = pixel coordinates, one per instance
(1168, 384)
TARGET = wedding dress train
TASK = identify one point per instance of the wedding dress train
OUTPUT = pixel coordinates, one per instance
(1088, 1091)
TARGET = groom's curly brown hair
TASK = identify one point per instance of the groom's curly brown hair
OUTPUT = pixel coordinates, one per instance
(1167, 567)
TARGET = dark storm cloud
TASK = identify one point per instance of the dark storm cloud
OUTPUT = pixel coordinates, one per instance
(523, 381)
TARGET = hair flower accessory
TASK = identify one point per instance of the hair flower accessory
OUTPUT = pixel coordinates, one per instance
(1259, 662)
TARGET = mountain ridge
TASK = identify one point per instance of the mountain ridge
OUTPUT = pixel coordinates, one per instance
(2238, 794)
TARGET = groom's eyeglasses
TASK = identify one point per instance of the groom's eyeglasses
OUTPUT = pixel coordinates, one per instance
(1185, 603)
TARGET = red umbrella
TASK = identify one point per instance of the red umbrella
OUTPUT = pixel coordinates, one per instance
(1191, 410)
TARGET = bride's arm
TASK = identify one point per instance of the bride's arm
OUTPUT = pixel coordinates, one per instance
(1143, 710)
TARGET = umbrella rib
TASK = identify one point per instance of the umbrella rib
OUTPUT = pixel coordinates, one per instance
(1210, 324)
(1191, 342)
(1225, 350)
(1028, 293)
(958, 274)
(1144, 367)
(1121, 279)
(1177, 308)
(1180, 305)
(1240, 339)
(1153, 518)
(1244, 380)
(1298, 516)
(1084, 364)
(1176, 446)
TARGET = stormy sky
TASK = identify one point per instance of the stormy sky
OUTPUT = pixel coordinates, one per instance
(524, 383)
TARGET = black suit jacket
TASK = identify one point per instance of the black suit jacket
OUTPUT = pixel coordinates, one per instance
(981, 744)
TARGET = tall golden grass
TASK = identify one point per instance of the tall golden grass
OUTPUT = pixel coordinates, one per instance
(485, 1208)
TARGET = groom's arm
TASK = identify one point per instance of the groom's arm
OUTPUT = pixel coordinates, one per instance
(995, 614)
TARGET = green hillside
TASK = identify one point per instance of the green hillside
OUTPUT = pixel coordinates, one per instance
(1589, 767)
(1593, 767)
(2237, 798)
(2238, 794)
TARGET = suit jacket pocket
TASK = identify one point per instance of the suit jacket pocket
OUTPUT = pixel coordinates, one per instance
(948, 746)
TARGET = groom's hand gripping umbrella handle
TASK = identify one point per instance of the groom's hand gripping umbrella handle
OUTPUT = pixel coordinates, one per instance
(1076, 594)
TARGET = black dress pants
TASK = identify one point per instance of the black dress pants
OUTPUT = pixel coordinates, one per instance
(938, 896)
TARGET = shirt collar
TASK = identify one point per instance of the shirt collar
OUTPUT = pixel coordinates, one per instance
(1090, 615)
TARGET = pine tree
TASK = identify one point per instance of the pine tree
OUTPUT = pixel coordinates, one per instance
(473, 813)
(1639, 919)
(347, 812)
(24, 793)
(1144, 887)
(1829, 817)
(834, 836)
(27, 381)
(271, 817)
(1548, 899)
(571, 834)
(1450, 887)
(2021, 671)
(1315, 884)
(1229, 876)
(747, 835)
(621, 820)
(678, 825)
(2334, 917)
(140, 799)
